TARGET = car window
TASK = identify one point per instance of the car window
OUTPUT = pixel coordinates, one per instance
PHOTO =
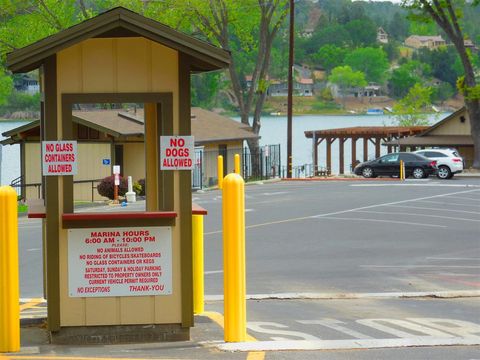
(423, 153)
(389, 158)
(434, 154)
(409, 157)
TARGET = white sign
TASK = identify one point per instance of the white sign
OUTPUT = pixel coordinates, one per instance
(116, 169)
(59, 158)
(120, 261)
(177, 153)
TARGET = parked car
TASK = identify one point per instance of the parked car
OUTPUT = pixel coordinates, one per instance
(449, 162)
(416, 165)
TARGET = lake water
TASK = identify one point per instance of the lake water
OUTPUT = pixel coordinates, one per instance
(273, 131)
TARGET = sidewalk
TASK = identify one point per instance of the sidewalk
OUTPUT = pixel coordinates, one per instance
(205, 337)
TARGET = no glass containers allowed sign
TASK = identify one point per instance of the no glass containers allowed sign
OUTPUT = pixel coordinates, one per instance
(59, 157)
(177, 152)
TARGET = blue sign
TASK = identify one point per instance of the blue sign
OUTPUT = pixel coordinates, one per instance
(106, 161)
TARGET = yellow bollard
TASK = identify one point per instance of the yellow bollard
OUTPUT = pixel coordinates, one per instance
(220, 171)
(237, 164)
(402, 170)
(198, 268)
(234, 258)
(9, 279)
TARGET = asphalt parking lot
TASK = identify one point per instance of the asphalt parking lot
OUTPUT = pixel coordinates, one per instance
(389, 266)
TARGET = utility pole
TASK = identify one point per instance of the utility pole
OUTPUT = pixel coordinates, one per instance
(290, 91)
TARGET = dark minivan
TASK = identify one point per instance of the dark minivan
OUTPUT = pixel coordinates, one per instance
(416, 165)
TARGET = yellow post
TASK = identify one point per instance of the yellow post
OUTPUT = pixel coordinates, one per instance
(220, 171)
(9, 280)
(402, 170)
(237, 164)
(234, 258)
(198, 270)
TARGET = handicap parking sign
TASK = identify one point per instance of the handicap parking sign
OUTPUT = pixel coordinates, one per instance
(106, 161)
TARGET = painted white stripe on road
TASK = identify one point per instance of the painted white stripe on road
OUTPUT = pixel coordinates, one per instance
(340, 296)
(435, 209)
(213, 272)
(449, 203)
(276, 222)
(336, 325)
(346, 344)
(383, 221)
(417, 214)
(416, 184)
(423, 266)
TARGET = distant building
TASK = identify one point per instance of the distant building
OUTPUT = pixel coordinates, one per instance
(429, 42)
(371, 90)
(470, 45)
(382, 36)
(301, 87)
(26, 83)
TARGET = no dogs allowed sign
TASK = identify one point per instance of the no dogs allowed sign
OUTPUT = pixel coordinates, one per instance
(177, 153)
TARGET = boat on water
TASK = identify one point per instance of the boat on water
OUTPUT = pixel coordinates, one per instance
(374, 112)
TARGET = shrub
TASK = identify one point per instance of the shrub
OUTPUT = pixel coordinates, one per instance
(105, 188)
(137, 188)
(141, 182)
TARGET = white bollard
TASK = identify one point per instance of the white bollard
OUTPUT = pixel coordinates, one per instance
(130, 195)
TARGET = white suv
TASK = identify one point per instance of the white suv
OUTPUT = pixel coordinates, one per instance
(449, 162)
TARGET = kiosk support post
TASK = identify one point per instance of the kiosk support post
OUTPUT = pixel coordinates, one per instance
(198, 267)
(9, 279)
(234, 258)
(220, 171)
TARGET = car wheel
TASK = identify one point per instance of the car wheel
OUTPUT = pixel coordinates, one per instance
(418, 173)
(444, 172)
(367, 172)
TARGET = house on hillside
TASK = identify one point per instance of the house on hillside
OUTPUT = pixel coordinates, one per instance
(382, 36)
(453, 131)
(301, 87)
(115, 137)
(371, 90)
(26, 83)
(429, 42)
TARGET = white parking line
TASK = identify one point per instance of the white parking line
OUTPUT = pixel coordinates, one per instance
(416, 214)
(435, 209)
(449, 203)
(423, 266)
(415, 184)
(383, 221)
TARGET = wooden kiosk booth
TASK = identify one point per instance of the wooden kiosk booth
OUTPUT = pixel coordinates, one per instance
(108, 275)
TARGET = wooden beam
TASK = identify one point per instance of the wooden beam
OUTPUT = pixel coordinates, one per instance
(341, 155)
(377, 147)
(329, 153)
(354, 152)
(315, 153)
(365, 149)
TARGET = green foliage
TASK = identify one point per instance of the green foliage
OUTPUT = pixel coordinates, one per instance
(6, 86)
(406, 76)
(443, 62)
(345, 77)
(326, 94)
(137, 188)
(411, 110)
(363, 32)
(205, 88)
(442, 92)
(371, 61)
(18, 101)
(330, 56)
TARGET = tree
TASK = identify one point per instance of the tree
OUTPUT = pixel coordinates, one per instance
(363, 32)
(406, 76)
(411, 110)
(6, 86)
(447, 14)
(371, 61)
(344, 77)
(330, 56)
(225, 23)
